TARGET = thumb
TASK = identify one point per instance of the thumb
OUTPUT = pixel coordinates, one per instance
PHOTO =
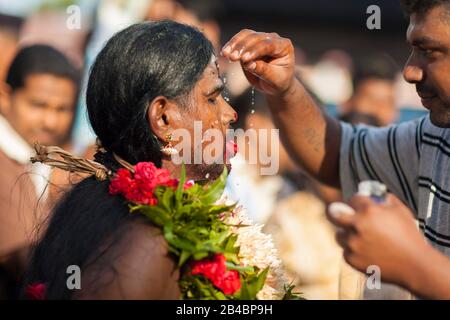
(258, 68)
(341, 215)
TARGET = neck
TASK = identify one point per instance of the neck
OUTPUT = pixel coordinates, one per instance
(195, 172)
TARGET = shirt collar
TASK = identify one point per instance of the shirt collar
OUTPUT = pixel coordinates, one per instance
(13, 145)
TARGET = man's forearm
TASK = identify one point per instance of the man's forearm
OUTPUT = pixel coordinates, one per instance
(311, 137)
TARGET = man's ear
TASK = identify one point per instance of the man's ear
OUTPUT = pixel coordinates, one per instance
(5, 98)
(163, 116)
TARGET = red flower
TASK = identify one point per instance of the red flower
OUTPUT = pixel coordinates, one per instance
(211, 269)
(121, 182)
(230, 282)
(145, 175)
(140, 187)
(215, 270)
(36, 291)
(140, 194)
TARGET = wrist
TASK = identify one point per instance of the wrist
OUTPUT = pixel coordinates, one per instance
(285, 96)
(290, 90)
(417, 269)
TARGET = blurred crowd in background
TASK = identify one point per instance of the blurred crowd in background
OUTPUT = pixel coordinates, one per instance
(357, 87)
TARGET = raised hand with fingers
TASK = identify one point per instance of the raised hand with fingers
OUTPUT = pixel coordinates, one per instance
(266, 58)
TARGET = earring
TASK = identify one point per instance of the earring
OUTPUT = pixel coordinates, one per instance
(168, 149)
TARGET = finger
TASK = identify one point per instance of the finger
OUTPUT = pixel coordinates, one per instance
(258, 68)
(349, 257)
(250, 40)
(361, 203)
(229, 46)
(393, 200)
(341, 215)
(266, 47)
(396, 205)
(342, 239)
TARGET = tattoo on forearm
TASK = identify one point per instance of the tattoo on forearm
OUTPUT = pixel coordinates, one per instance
(313, 138)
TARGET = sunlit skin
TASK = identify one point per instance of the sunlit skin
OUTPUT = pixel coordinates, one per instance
(313, 140)
(428, 66)
(204, 104)
(42, 110)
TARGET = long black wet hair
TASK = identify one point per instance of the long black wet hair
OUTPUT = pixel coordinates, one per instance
(137, 64)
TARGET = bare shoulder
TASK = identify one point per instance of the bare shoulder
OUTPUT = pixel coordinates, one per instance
(135, 264)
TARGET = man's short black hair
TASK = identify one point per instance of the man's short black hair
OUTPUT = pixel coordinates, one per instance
(421, 6)
(377, 66)
(39, 59)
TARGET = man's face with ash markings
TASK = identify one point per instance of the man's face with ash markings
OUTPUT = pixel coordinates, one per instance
(428, 67)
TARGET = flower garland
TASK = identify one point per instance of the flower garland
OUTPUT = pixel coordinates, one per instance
(257, 249)
(220, 254)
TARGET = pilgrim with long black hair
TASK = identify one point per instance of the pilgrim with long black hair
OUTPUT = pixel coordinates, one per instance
(149, 80)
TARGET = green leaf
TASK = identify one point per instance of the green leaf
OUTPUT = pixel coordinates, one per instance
(290, 295)
(178, 243)
(215, 190)
(220, 295)
(195, 190)
(182, 244)
(179, 193)
(232, 257)
(261, 279)
(218, 209)
(167, 199)
(185, 255)
(200, 255)
(232, 266)
(231, 241)
(155, 214)
(255, 283)
(174, 251)
(244, 294)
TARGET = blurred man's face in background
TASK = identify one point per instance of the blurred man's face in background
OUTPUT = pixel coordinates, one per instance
(428, 67)
(375, 97)
(42, 110)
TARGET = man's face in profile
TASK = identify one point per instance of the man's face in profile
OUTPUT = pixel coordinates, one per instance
(428, 67)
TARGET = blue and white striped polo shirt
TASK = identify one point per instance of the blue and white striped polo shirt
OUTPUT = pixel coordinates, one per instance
(413, 160)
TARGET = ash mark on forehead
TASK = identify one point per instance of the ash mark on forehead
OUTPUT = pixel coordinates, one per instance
(215, 62)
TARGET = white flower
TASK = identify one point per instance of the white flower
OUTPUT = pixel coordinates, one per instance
(257, 249)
